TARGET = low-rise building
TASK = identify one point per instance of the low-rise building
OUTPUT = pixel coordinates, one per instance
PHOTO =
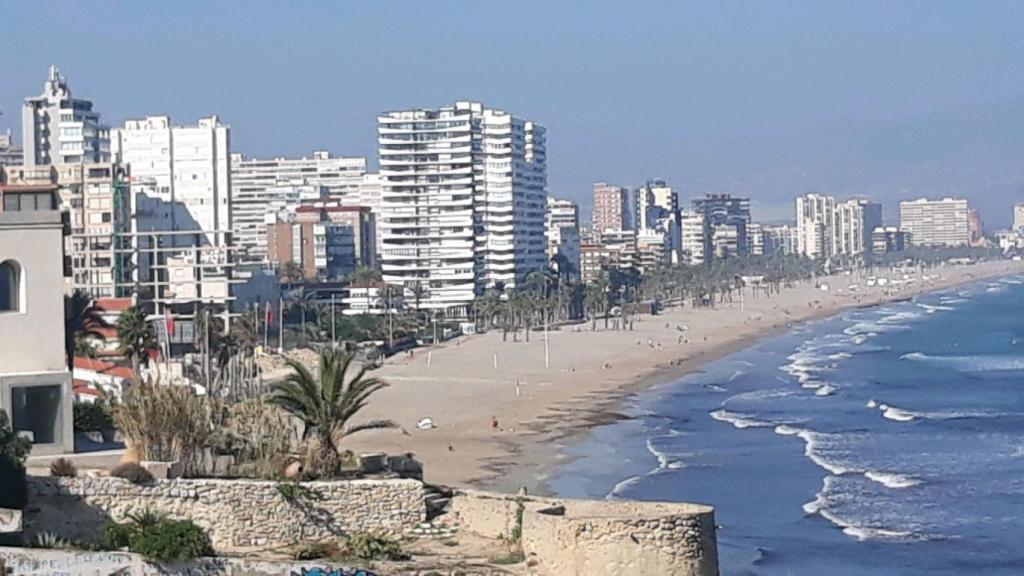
(886, 239)
(327, 240)
(35, 384)
(372, 297)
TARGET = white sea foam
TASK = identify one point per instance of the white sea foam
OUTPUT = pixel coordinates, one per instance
(860, 339)
(872, 404)
(739, 420)
(665, 461)
(891, 480)
(931, 309)
(824, 503)
(978, 363)
(898, 415)
(826, 390)
(618, 488)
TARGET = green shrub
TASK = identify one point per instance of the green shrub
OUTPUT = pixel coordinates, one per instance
(367, 546)
(295, 493)
(155, 536)
(64, 468)
(92, 417)
(13, 451)
(171, 540)
(132, 472)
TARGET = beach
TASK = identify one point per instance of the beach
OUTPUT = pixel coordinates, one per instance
(468, 385)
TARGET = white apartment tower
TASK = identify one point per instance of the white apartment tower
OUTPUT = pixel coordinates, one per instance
(943, 222)
(562, 224)
(827, 227)
(59, 129)
(181, 177)
(462, 202)
(691, 233)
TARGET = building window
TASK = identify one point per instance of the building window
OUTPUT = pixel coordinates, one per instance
(36, 413)
(10, 286)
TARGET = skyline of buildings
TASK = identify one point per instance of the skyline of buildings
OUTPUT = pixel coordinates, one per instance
(459, 205)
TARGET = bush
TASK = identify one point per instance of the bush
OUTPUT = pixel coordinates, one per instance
(132, 472)
(64, 468)
(157, 537)
(13, 451)
(367, 546)
(92, 417)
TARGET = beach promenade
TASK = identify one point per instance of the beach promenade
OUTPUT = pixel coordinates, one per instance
(590, 371)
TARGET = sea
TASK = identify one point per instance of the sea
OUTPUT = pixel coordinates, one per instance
(884, 440)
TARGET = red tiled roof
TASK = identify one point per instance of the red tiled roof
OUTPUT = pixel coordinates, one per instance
(114, 304)
(101, 367)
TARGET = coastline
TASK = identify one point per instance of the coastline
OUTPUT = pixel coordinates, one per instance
(457, 386)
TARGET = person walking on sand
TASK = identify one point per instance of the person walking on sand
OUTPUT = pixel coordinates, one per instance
(494, 423)
(518, 393)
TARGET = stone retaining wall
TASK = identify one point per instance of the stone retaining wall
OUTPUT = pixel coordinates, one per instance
(592, 537)
(240, 515)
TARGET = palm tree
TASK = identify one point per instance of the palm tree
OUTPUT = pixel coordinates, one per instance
(327, 401)
(136, 335)
(364, 274)
(292, 272)
(82, 318)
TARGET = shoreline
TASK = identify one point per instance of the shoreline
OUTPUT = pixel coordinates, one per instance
(456, 383)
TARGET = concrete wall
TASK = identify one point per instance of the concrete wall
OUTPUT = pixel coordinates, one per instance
(591, 537)
(240, 515)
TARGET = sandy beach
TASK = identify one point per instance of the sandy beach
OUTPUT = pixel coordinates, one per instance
(540, 409)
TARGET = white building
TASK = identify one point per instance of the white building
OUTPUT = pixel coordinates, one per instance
(59, 129)
(10, 154)
(827, 227)
(755, 237)
(370, 194)
(1018, 218)
(181, 177)
(463, 200)
(692, 241)
(943, 222)
(35, 384)
(781, 239)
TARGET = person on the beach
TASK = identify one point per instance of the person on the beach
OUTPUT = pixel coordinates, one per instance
(494, 423)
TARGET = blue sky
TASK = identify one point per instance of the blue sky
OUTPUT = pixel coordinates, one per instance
(768, 99)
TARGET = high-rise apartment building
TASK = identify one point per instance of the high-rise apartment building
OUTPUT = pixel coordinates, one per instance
(691, 233)
(262, 186)
(254, 207)
(943, 222)
(656, 202)
(827, 227)
(327, 240)
(562, 224)
(463, 201)
(611, 208)
(725, 225)
(1018, 218)
(10, 154)
(181, 175)
(59, 129)
(96, 198)
(871, 214)
(886, 239)
(781, 239)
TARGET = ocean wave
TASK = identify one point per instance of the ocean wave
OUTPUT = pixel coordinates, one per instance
(826, 390)
(830, 497)
(933, 308)
(951, 300)
(616, 490)
(740, 421)
(872, 404)
(1014, 281)
(891, 480)
(898, 415)
(978, 363)
(665, 460)
(816, 444)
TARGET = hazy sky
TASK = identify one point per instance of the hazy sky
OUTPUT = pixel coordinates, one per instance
(764, 98)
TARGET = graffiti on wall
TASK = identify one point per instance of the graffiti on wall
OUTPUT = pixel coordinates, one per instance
(331, 572)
